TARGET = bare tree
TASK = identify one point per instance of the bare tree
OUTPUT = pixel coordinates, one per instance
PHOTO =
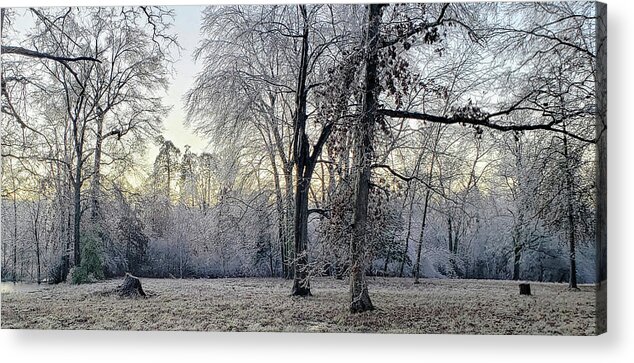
(125, 88)
(74, 81)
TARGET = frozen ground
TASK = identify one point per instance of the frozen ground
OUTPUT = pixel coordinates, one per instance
(250, 304)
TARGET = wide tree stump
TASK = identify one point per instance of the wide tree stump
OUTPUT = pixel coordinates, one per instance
(525, 289)
(131, 287)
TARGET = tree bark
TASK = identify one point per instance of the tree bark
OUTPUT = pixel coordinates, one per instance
(520, 201)
(571, 218)
(96, 178)
(450, 234)
(15, 231)
(77, 213)
(359, 296)
(36, 236)
(289, 215)
(517, 246)
(271, 264)
(168, 191)
(301, 283)
(517, 256)
(69, 239)
(39, 264)
(419, 248)
(131, 287)
(78, 139)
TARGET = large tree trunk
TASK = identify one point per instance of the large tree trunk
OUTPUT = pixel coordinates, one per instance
(15, 233)
(517, 256)
(77, 183)
(39, 264)
(36, 236)
(281, 231)
(301, 284)
(279, 207)
(168, 191)
(61, 219)
(517, 246)
(69, 239)
(289, 215)
(77, 218)
(571, 218)
(359, 297)
(450, 235)
(15, 222)
(96, 178)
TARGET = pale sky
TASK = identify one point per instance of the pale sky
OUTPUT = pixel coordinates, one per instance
(187, 28)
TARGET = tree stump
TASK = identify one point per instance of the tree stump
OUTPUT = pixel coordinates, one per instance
(525, 289)
(131, 287)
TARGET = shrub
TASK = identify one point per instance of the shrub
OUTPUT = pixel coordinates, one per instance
(91, 268)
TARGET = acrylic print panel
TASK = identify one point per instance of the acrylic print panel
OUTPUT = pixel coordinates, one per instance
(404, 168)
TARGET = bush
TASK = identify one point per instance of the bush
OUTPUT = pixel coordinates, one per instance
(4, 273)
(91, 268)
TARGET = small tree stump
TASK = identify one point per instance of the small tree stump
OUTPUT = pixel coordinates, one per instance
(525, 289)
(131, 287)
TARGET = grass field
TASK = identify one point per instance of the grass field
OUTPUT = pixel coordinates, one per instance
(258, 304)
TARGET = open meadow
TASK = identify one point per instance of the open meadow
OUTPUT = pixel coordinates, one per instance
(262, 304)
